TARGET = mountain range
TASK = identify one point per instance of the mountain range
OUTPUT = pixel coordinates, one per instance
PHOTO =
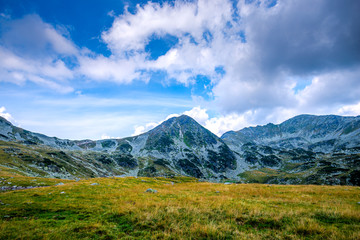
(306, 149)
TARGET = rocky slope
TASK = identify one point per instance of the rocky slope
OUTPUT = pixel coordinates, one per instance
(314, 133)
(305, 149)
(177, 146)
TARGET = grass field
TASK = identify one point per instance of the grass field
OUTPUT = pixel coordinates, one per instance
(183, 208)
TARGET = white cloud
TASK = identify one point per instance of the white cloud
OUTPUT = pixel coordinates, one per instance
(31, 50)
(199, 114)
(261, 50)
(142, 129)
(106, 136)
(14, 66)
(200, 27)
(32, 37)
(350, 110)
(101, 68)
(334, 87)
(139, 129)
(220, 125)
(6, 115)
(132, 31)
(60, 43)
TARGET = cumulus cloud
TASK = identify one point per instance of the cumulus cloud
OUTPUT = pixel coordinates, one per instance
(265, 50)
(32, 50)
(132, 31)
(278, 60)
(292, 41)
(198, 26)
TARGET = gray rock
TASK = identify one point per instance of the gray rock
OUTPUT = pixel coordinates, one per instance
(59, 184)
(227, 183)
(150, 190)
(94, 184)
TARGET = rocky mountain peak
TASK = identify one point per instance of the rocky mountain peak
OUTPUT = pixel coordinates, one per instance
(183, 129)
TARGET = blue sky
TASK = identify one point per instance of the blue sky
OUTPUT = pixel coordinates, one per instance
(85, 69)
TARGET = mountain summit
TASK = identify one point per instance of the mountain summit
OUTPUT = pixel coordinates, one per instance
(182, 129)
(188, 147)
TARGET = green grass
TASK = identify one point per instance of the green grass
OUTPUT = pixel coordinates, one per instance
(183, 208)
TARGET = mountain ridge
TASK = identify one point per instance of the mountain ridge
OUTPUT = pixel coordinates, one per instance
(309, 130)
(304, 149)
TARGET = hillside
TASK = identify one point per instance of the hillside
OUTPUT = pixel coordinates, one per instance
(181, 208)
(303, 150)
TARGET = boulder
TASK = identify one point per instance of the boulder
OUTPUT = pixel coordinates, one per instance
(150, 190)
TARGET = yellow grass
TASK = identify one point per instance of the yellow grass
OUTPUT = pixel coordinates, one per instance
(119, 208)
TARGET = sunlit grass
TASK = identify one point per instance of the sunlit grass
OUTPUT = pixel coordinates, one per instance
(183, 208)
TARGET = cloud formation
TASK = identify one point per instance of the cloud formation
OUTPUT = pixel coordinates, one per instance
(276, 58)
(6, 115)
(267, 52)
(34, 51)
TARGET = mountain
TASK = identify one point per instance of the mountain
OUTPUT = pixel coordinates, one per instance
(315, 133)
(177, 146)
(305, 149)
(186, 147)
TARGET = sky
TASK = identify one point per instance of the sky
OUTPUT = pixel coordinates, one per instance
(89, 69)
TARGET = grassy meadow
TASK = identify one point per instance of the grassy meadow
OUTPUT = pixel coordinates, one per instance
(182, 208)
